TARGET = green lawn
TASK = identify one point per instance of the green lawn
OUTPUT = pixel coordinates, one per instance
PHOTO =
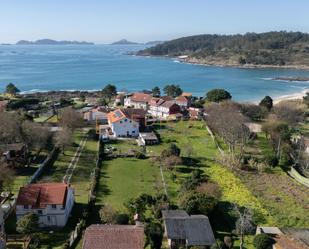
(125, 178)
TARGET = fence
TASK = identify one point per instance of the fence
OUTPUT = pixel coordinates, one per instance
(298, 177)
(75, 235)
(51, 157)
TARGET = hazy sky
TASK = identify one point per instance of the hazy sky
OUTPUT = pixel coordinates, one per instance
(105, 21)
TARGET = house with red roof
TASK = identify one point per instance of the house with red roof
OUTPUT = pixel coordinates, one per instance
(183, 101)
(114, 237)
(138, 100)
(126, 122)
(160, 108)
(52, 202)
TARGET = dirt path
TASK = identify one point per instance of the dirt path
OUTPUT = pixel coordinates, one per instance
(75, 159)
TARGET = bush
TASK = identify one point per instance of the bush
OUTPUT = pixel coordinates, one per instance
(140, 155)
(171, 150)
(198, 203)
(262, 241)
(22, 103)
(271, 160)
(122, 219)
(27, 224)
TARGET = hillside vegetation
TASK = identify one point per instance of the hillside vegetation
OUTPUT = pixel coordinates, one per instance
(271, 48)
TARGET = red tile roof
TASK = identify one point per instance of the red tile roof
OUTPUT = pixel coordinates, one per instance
(141, 97)
(129, 113)
(182, 99)
(114, 237)
(43, 194)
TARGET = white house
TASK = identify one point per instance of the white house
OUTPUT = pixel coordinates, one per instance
(138, 100)
(123, 124)
(96, 114)
(163, 109)
(52, 202)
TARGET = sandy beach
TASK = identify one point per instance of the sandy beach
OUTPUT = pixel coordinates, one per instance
(293, 96)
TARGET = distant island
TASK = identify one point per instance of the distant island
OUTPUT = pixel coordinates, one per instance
(52, 42)
(126, 42)
(270, 49)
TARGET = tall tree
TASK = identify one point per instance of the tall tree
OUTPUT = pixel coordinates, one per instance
(71, 119)
(218, 95)
(267, 102)
(244, 223)
(109, 91)
(172, 90)
(12, 89)
(156, 92)
(154, 235)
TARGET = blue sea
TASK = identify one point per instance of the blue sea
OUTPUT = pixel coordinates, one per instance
(43, 68)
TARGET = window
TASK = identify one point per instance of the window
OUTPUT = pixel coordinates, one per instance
(54, 206)
(120, 122)
(40, 212)
(48, 218)
(125, 120)
(26, 207)
(130, 121)
(133, 132)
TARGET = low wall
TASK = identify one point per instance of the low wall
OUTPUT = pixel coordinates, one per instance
(298, 177)
(43, 165)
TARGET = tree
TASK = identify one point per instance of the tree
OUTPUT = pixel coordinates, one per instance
(266, 102)
(170, 162)
(306, 99)
(263, 241)
(70, 119)
(63, 138)
(172, 90)
(154, 235)
(226, 120)
(156, 92)
(107, 214)
(28, 223)
(171, 150)
(244, 224)
(288, 114)
(11, 89)
(218, 95)
(109, 91)
(197, 203)
(254, 112)
(6, 176)
(122, 219)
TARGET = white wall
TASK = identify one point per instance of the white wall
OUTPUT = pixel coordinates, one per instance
(50, 216)
(125, 127)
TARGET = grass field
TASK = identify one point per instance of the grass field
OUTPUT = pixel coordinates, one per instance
(125, 178)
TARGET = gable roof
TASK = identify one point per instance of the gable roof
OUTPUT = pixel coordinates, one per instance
(114, 237)
(195, 229)
(42, 194)
(129, 113)
(168, 104)
(141, 97)
(182, 99)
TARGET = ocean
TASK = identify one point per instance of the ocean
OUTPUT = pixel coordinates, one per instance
(80, 67)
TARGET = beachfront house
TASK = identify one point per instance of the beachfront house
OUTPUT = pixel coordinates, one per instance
(183, 230)
(114, 236)
(126, 122)
(52, 202)
(163, 109)
(138, 100)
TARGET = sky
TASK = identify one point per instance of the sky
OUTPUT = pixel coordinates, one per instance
(104, 21)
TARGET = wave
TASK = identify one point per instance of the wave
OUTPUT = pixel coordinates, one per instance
(58, 90)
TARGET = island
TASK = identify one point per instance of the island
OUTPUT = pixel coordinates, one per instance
(125, 42)
(52, 42)
(270, 49)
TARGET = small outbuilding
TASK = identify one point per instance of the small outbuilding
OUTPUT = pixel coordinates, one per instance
(147, 138)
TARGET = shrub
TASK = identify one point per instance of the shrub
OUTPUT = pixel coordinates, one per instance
(198, 203)
(271, 160)
(122, 219)
(140, 155)
(154, 235)
(22, 103)
(27, 224)
(262, 241)
(210, 189)
(171, 150)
